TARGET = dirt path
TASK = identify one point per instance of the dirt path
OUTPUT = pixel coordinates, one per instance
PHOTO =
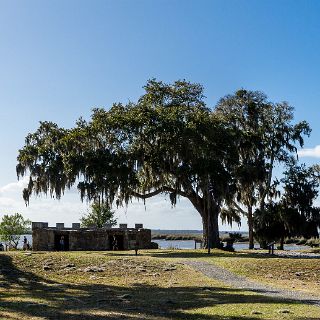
(240, 282)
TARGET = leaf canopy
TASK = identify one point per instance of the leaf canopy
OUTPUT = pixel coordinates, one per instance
(166, 142)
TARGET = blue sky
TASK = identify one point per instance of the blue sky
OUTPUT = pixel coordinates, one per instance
(59, 59)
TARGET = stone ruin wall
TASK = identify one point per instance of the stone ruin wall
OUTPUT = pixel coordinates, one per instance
(44, 238)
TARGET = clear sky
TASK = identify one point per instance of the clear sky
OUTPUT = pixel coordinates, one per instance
(59, 59)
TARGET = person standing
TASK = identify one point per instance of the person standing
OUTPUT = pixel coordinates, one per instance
(114, 244)
(62, 243)
(25, 243)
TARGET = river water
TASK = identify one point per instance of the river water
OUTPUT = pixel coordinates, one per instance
(189, 244)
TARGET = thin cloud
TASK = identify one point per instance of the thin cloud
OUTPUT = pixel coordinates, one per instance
(14, 186)
(310, 152)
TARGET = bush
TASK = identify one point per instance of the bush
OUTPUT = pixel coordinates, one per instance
(236, 236)
(313, 242)
(153, 245)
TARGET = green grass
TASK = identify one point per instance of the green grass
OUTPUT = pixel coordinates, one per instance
(291, 273)
(154, 285)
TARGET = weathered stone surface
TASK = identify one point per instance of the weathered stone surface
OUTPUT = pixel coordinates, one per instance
(68, 265)
(48, 239)
(46, 267)
(94, 269)
(283, 311)
(256, 312)
(169, 269)
(125, 296)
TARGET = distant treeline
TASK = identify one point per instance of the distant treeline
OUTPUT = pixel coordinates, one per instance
(301, 241)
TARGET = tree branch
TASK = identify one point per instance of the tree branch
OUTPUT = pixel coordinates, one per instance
(238, 208)
(158, 191)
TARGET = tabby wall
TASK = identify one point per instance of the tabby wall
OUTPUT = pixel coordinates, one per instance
(46, 238)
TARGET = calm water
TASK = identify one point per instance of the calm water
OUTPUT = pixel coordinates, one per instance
(29, 237)
(189, 244)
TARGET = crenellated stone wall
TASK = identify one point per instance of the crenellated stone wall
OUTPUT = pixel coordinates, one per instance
(46, 238)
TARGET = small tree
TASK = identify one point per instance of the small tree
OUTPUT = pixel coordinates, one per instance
(295, 213)
(99, 215)
(12, 227)
(275, 222)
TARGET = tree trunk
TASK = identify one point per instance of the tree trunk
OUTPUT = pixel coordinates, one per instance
(210, 215)
(211, 229)
(281, 246)
(250, 227)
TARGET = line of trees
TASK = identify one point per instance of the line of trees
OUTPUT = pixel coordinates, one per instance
(170, 142)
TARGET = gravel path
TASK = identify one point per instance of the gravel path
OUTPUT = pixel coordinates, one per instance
(296, 254)
(240, 282)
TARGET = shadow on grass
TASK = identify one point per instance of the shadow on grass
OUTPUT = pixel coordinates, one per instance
(30, 295)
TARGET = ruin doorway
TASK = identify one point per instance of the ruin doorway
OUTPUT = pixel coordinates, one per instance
(119, 242)
(57, 245)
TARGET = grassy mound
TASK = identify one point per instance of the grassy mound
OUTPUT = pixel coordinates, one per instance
(118, 285)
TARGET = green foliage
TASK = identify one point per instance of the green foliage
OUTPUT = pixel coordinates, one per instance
(294, 215)
(266, 136)
(99, 215)
(12, 227)
(237, 236)
(270, 224)
(167, 142)
(301, 189)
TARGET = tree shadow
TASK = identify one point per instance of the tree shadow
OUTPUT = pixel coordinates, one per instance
(30, 295)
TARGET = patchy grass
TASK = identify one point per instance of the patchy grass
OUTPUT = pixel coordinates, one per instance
(154, 285)
(291, 273)
(315, 250)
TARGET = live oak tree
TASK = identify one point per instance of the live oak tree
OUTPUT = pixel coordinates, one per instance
(268, 137)
(168, 142)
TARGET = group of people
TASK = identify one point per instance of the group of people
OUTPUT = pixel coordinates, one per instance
(26, 245)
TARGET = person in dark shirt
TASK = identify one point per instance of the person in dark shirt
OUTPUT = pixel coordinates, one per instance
(25, 243)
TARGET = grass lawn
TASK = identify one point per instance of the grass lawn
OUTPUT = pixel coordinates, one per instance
(291, 273)
(119, 285)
